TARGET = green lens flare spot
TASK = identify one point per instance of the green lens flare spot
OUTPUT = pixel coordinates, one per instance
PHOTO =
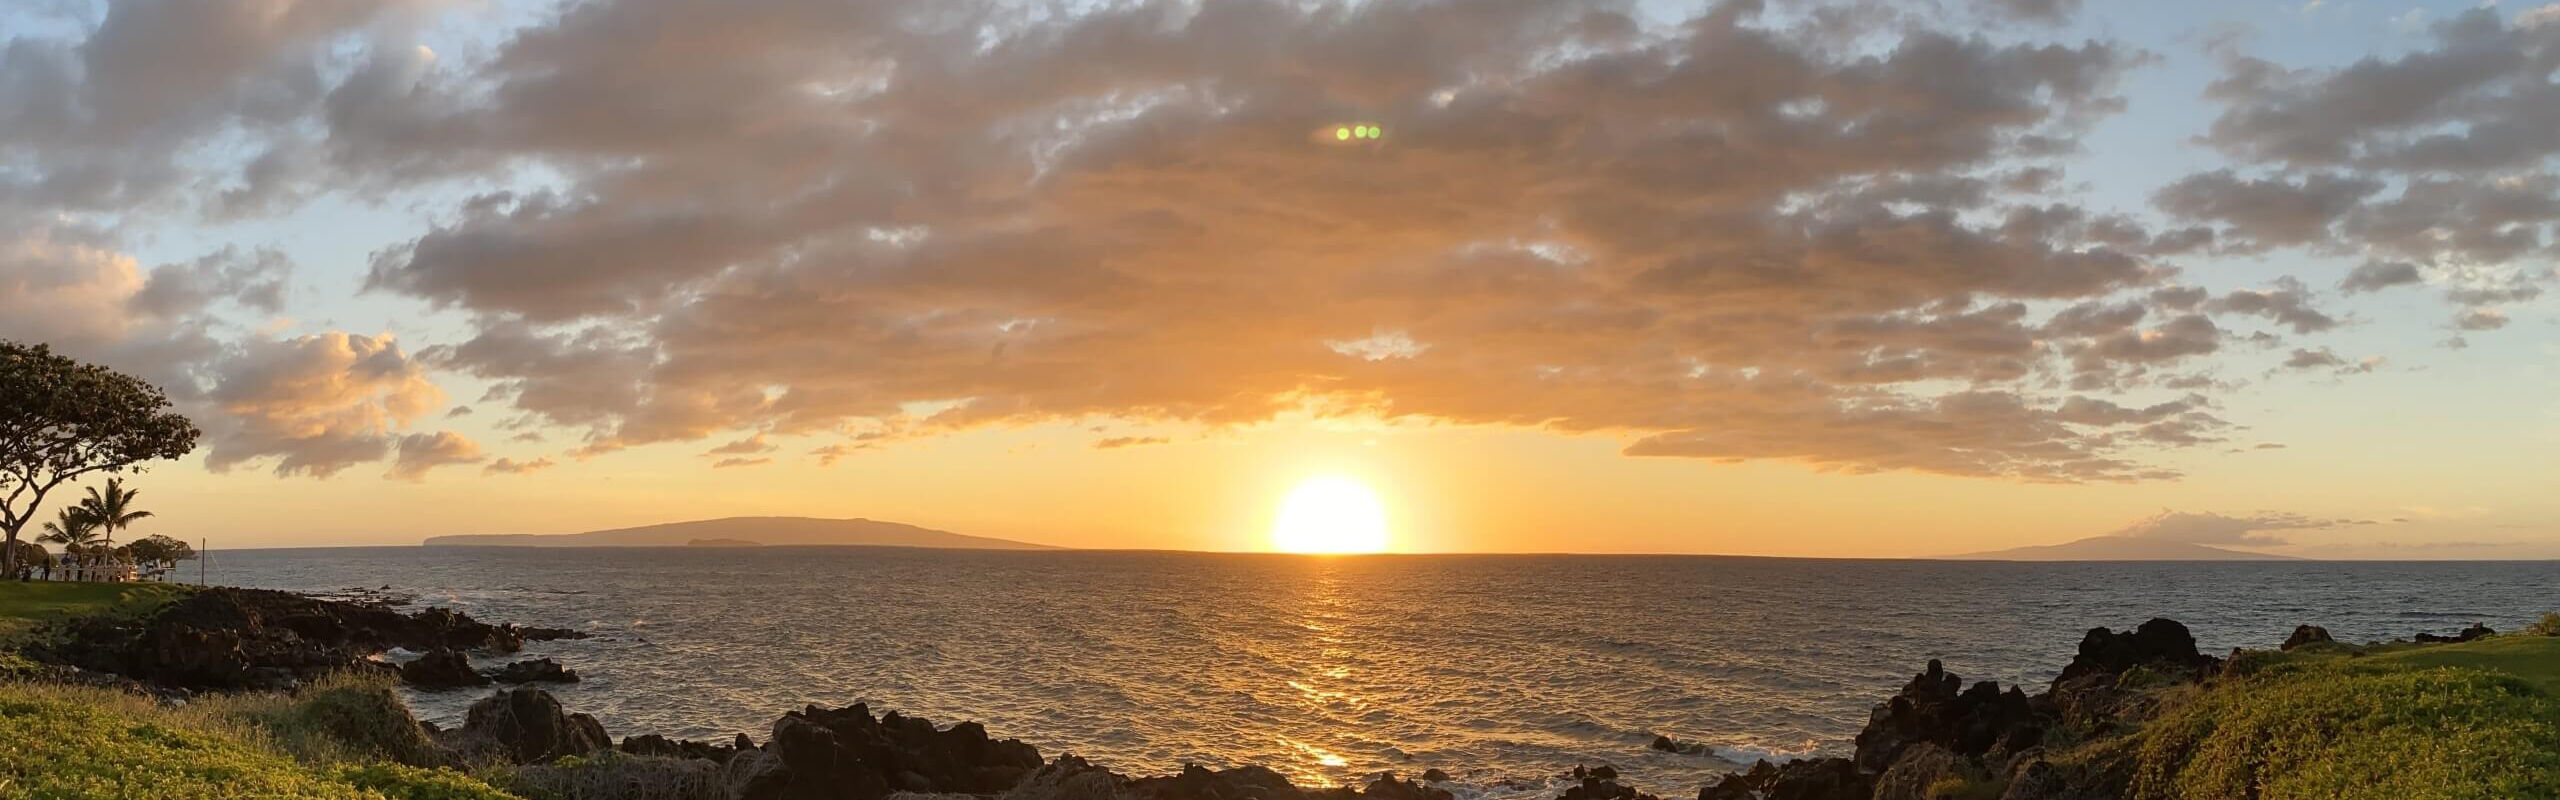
(1343, 134)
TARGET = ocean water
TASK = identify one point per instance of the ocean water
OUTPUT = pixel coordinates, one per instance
(1494, 668)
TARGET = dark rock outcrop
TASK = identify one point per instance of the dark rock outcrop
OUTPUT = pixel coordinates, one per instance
(1937, 728)
(537, 670)
(2476, 631)
(754, 774)
(224, 638)
(1601, 783)
(2160, 644)
(1933, 709)
(847, 753)
(1072, 778)
(1919, 768)
(650, 744)
(1798, 779)
(1670, 745)
(1386, 786)
(2306, 635)
(441, 669)
(526, 726)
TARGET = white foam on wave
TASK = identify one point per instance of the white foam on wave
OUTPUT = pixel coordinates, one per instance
(1745, 754)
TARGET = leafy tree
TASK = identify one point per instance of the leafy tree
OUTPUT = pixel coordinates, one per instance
(73, 528)
(64, 419)
(113, 510)
(160, 552)
(29, 557)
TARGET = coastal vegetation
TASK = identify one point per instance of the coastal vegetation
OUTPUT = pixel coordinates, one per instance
(155, 690)
(67, 420)
(77, 743)
(2374, 729)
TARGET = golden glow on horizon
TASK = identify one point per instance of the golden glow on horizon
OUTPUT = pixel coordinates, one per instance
(1330, 515)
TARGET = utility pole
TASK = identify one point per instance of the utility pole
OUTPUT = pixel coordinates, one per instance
(204, 553)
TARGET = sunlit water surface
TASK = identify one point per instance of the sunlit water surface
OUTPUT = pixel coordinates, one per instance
(1493, 668)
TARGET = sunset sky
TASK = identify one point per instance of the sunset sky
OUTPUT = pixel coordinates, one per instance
(1844, 279)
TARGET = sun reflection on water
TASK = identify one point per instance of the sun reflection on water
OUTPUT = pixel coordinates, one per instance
(1324, 680)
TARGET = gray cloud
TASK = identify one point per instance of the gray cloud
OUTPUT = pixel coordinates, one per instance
(1052, 225)
(2267, 212)
(2375, 276)
(2437, 159)
(254, 279)
(2047, 11)
(104, 123)
(2480, 319)
(2288, 303)
(1753, 236)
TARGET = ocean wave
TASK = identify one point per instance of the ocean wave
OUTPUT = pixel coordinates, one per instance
(1144, 661)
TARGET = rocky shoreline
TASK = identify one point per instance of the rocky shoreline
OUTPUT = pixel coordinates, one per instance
(1937, 737)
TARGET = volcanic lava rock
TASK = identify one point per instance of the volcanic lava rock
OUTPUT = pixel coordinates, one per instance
(2161, 644)
(847, 753)
(650, 744)
(2306, 634)
(526, 726)
(1932, 708)
(441, 669)
(224, 638)
(1435, 775)
(1386, 786)
(755, 775)
(533, 634)
(1070, 777)
(1799, 779)
(538, 670)
(1915, 771)
(1601, 783)
(2476, 631)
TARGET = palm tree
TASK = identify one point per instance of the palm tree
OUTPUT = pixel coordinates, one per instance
(73, 528)
(113, 511)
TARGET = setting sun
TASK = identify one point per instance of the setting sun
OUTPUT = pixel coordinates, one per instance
(1330, 515)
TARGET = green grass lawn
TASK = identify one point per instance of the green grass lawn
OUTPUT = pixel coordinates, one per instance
(27, 604)
(2473, 721)
(2532, 659)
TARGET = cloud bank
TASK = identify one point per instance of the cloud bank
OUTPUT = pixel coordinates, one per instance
(1834, 235)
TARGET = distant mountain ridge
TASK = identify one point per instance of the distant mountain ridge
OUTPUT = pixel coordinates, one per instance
(2118, 548)
(745, 531)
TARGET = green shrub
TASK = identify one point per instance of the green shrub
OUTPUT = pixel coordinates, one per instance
(2339, 729)
(66, 743)
(17, 667)
(2548, 625)
(1959, 787)
(609, 775)
(398, 782)
(351, 716)
(2139, 677)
